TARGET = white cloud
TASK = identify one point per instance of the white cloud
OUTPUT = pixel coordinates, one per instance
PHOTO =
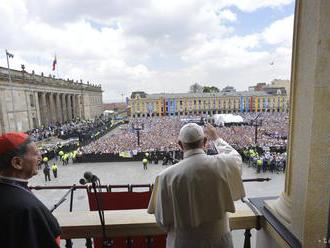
(280, 32)
(144, 45)
(227, 15)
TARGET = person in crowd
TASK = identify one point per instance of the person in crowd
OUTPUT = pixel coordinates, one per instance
(284, 164)
(54, 170)
(156, 158)
(264, 164)
(145, 163)
(25, 221)
(147, 156)
(259, 164)
(190, 199)
(60, 154)
(168, 158)
(273, 164)
(47, 172)
(63, 159)
(45, 160)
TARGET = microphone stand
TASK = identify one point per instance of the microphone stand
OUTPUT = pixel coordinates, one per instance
(64, 198)
(106, 242)
(258, 179)
(68, 241)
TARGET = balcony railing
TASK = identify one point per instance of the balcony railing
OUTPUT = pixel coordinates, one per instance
(136, 222)
(133, 222)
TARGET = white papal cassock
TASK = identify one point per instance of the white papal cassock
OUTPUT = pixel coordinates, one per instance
(190, 200)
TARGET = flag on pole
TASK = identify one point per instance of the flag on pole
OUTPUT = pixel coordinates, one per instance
(10, 55)
(54, 63)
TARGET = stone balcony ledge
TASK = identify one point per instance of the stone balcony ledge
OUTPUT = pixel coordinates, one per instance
(86, 224)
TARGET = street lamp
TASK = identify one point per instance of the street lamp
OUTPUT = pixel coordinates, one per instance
(256, 123)
(138, 127)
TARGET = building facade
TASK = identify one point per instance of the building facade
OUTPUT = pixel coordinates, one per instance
(143, 105)
(30, 101)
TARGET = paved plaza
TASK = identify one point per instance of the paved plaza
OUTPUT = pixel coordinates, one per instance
(133, 173)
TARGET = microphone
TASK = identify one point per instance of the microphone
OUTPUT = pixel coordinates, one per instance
(82, 181)
(90, 177)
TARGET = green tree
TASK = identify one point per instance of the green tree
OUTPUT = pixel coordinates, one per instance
(196, 88)
(210, 89)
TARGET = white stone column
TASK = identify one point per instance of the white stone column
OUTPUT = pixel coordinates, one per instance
(82, 107)
(49, 113)
(64, 108)
(52, 107)
(27, 94)
(58, 107)
(37, 107)
(69, 107)
(304, 205)
(43, 109)
(74, 106)
(78, 111)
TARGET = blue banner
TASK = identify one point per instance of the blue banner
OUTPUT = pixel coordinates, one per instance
(171, 106)
(266, 103)
(247, 105)
(174, 106)
(241, 104)
(150, 108)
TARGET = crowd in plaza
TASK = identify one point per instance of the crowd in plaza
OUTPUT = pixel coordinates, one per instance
(272, 131)
(160, 134)
(265, 161)
(83, 129)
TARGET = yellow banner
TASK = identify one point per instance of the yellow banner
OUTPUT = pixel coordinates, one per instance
(125, 154)
(256, 104)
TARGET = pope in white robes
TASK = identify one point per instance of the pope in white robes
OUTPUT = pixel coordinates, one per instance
(190, 199)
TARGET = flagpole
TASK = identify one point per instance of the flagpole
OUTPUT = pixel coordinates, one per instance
(12, 91)
(57, 67)
(7, 55)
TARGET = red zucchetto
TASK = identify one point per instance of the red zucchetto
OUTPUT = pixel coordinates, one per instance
(11, 141)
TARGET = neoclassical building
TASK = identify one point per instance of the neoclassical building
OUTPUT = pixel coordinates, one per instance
(165, 104)
(29, 101)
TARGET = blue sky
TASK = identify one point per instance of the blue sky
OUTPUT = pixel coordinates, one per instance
(256, 21)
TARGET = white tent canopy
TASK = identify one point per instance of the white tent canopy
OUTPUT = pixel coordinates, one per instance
(108, 112)
(222, 119)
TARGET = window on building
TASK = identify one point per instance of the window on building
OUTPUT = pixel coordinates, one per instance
(34, 122)
(32, 100)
